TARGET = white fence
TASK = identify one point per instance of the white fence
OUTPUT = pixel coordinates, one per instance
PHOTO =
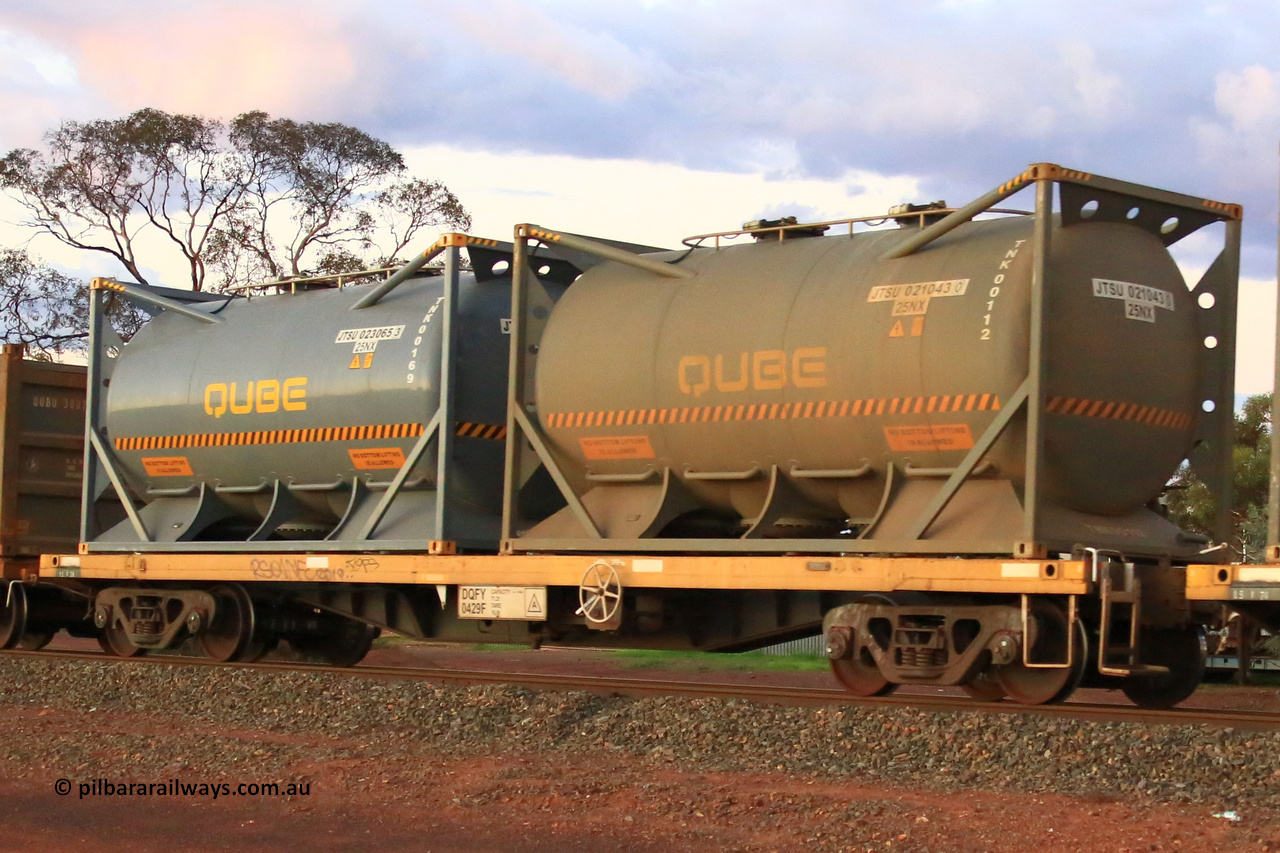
(806, 646)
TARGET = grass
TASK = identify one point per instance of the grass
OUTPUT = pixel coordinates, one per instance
(663, 659)
(391, 640)
(713, 662)
(689, 660)
(756, 661)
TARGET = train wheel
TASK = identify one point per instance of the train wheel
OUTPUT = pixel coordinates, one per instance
(34, 641)
(258, 648)
(857, 671)
(345, 643)
(1183, 651)
(984, 687)
(1029, 685)
(860, 675)
(233, 634)
(114, 641)
(13, 616)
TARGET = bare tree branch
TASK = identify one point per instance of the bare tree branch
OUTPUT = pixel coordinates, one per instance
(258, 198)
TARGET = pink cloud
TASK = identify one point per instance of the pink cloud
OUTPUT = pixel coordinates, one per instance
(219, 61)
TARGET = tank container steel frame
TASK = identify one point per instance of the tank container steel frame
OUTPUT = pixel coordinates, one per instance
(102, 470)
(528, 447)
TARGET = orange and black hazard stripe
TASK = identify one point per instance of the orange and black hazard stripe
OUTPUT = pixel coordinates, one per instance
(279, 436)
(492, 431)
(299, 436)
(1150, 415)
(776, 411)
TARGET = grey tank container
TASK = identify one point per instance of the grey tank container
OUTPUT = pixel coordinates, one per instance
(324, 418)
(900, 389)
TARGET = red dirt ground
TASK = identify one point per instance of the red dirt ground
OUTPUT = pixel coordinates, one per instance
(543, 804)
(534, 802)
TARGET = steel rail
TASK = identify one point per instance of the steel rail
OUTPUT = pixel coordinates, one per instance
(770, 694)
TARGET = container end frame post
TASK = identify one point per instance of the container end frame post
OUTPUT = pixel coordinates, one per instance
(522, 409)
(96, 451)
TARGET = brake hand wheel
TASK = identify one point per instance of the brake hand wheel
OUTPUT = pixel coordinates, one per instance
(600, 594)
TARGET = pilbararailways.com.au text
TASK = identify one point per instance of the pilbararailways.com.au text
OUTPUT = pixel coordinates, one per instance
(178, 788)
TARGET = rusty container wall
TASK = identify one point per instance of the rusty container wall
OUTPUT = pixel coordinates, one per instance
(43, 446)
(818, 356)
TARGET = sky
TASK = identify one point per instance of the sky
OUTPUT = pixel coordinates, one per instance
(649, 120)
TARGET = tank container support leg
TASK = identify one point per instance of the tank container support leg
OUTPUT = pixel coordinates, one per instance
(525, 338)
(1045, 177)
(1031, 391)
(439, 428)
(970, 462)
(1212, 456)
(400, 276)
(397, 482)
(1273, 496)
(1040, 247)
(959, 217)
(1171, 216)
(448, 394)
(526, 332)
(1217, 471)
(148, 296)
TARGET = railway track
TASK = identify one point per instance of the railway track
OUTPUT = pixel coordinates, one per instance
(785, 695)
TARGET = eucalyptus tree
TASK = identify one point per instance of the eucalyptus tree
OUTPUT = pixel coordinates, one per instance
(39, 306)
(1191, 504)
(257, 197)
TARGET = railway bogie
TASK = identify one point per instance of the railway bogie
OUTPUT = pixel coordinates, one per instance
(227, 622)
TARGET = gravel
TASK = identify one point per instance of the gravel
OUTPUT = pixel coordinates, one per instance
(220, 720)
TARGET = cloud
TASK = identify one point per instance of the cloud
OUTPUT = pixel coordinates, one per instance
(590, 61)
(1256, 337)
(634, 200)
(257, 58)
(40, 84)
(1236, 148)
(1248, 98)
(29, 63)
(954, 92)
(1096, 90)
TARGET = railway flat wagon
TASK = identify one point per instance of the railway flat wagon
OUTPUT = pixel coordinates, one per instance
(937, 437)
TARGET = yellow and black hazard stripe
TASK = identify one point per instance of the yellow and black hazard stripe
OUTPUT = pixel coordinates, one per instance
(279, 436)
(493, 431)
(776, 411)
(1112, 410)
